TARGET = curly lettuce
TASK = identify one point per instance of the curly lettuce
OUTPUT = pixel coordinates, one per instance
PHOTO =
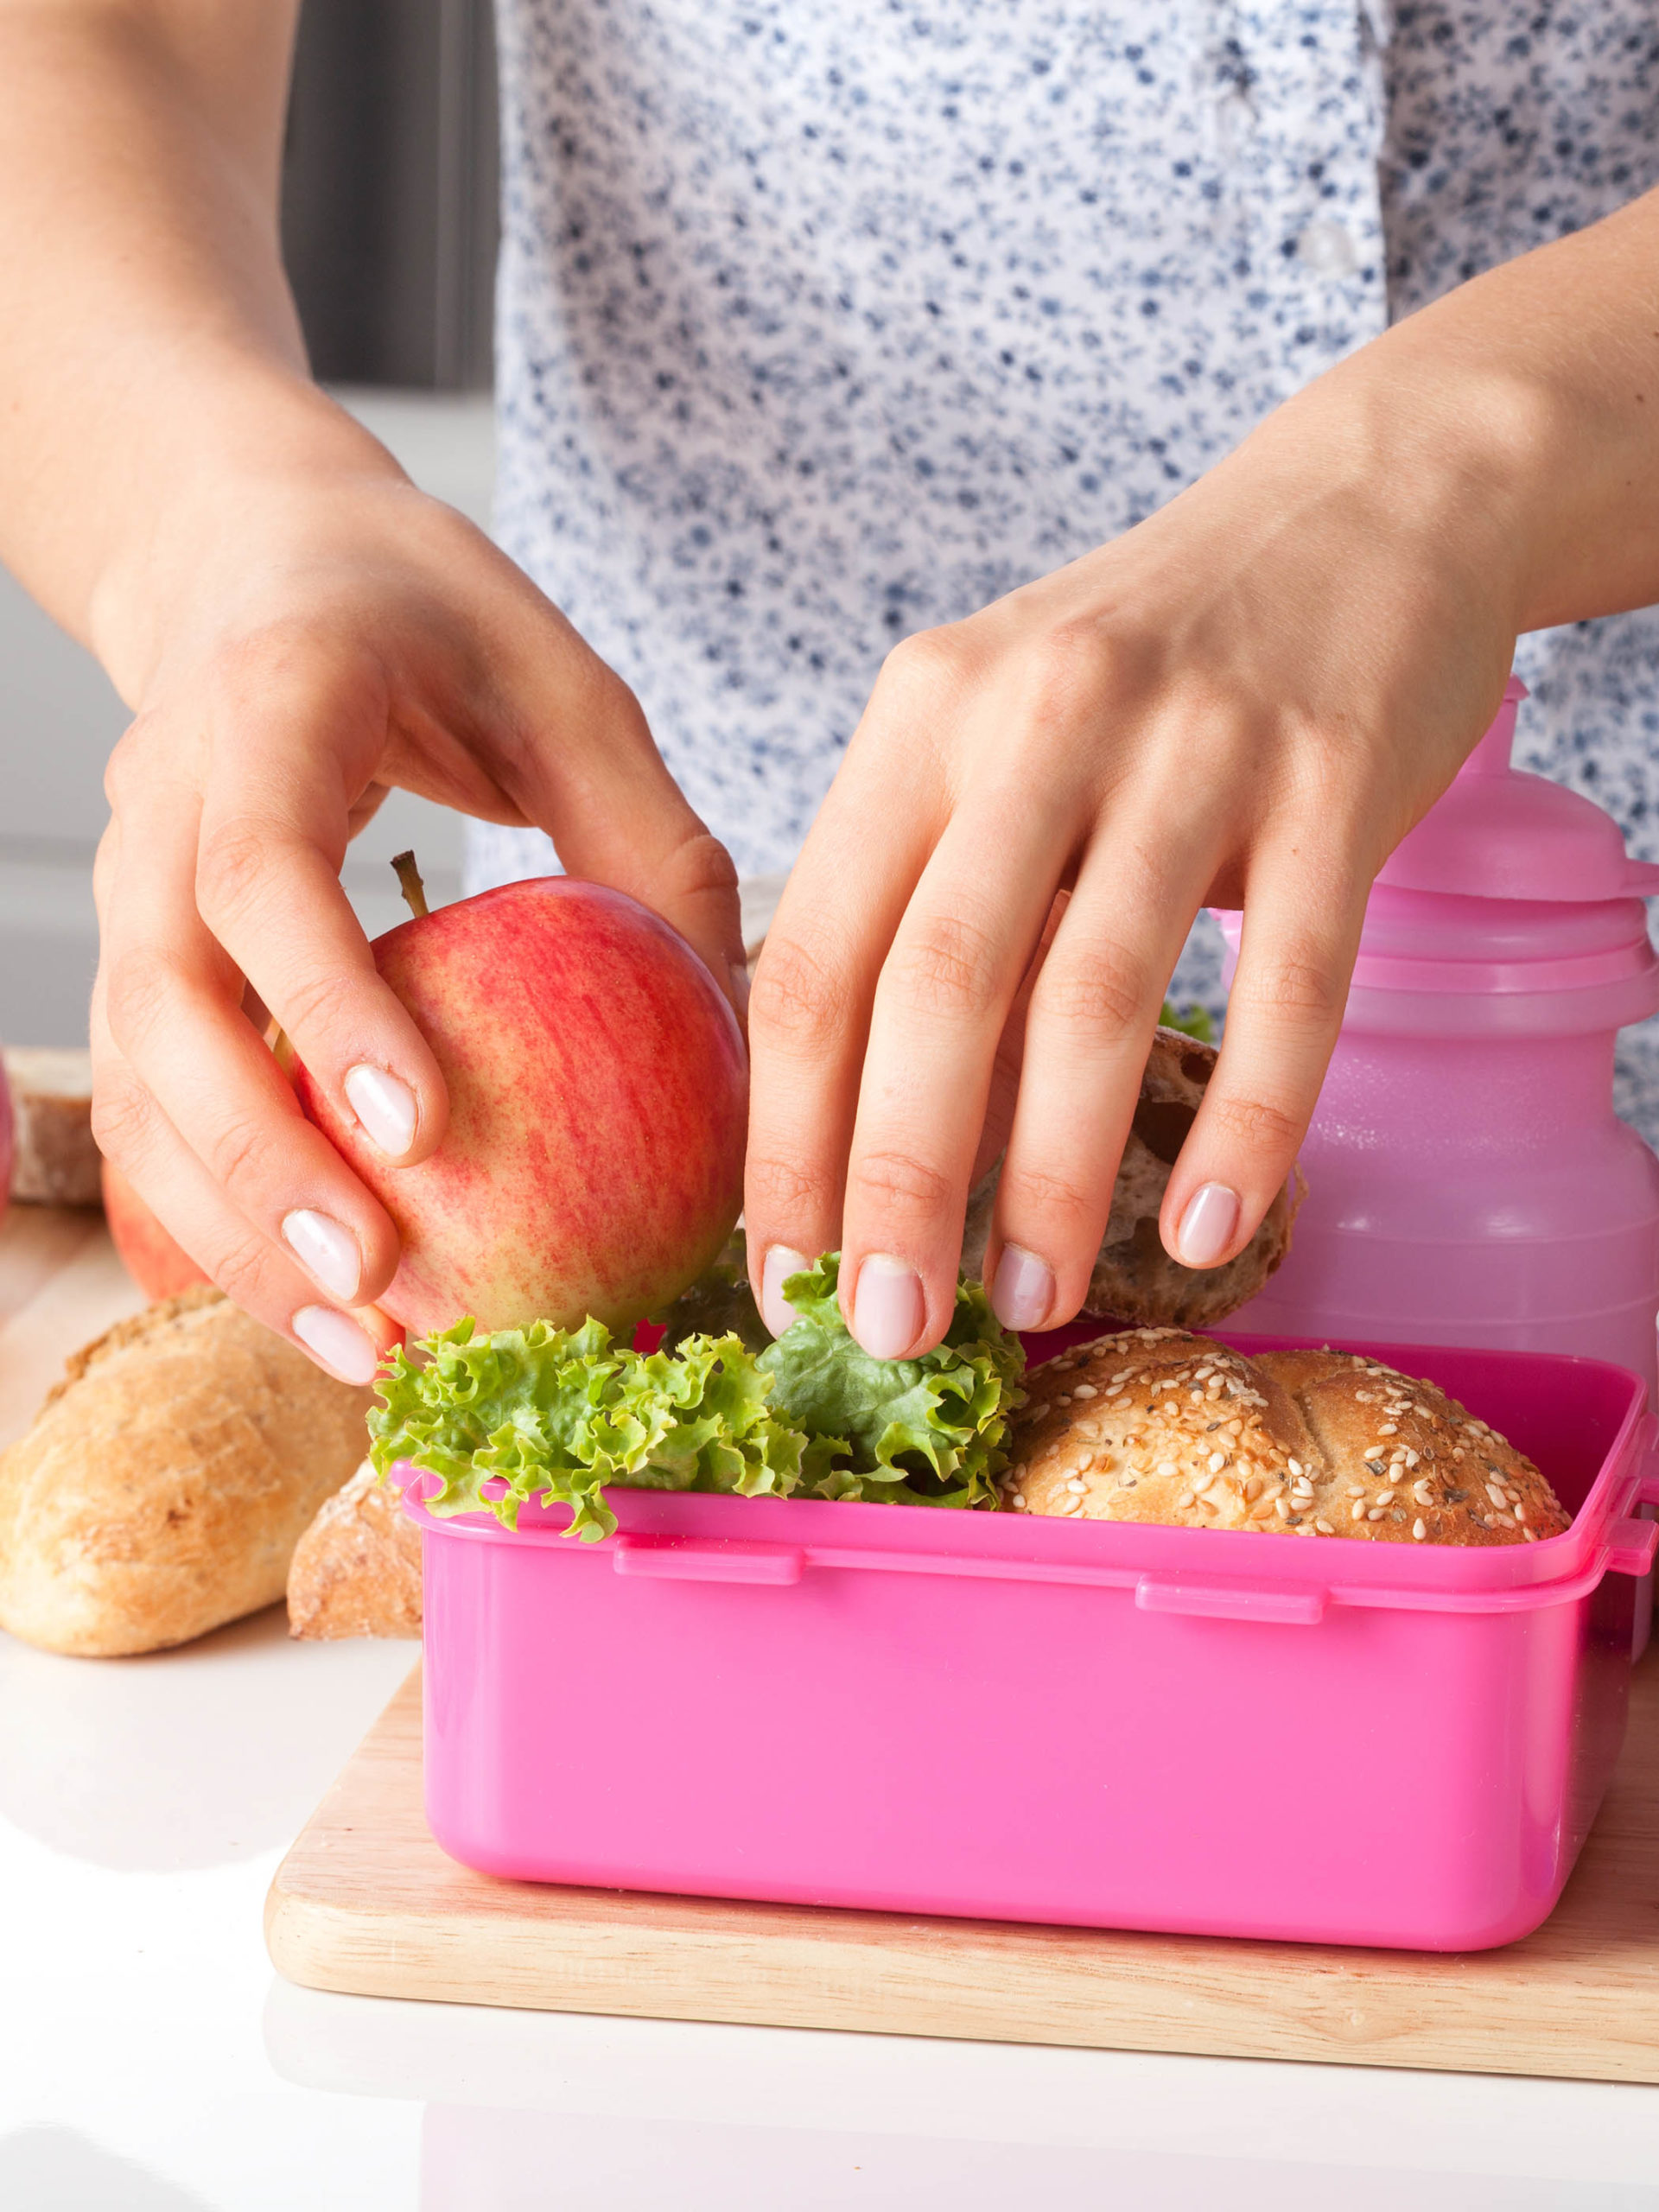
(916, 1432)
(555, 1412)
(561, 1414)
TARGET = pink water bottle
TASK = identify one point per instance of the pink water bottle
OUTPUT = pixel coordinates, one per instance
(1468, 1180)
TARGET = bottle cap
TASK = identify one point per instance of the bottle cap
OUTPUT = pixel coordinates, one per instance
(1501, 832)
(1511, 909)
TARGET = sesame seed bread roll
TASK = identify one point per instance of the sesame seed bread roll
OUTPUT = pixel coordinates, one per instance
(1405, 1463)
(1154, 1425)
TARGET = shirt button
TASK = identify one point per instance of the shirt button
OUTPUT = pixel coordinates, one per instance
(1235, 123)
(1328, 249)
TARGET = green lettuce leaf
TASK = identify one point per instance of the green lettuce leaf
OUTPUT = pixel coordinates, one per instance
(923, 1432)
(560, 1414)
(1195, 1022)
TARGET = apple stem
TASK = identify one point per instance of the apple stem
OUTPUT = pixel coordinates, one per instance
(409, 882)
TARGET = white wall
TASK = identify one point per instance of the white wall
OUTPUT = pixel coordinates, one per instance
(59, 718)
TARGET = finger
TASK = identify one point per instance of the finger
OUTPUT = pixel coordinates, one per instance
(288, 755)
(1296, 958)
(133, 1132)
(1093, 1010)
(579, 762)
(1004, 1092)
(809, 1017)
(173, 1002)
(941, 1008)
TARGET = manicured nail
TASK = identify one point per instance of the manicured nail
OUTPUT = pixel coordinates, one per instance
(888, 1306)
(1022, 1291)
(1207, 1226)
(337, 1342)
(326, 1250)
(775, 1309)
(385, 1106)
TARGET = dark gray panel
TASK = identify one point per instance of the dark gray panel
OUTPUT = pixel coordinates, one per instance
(390, 219)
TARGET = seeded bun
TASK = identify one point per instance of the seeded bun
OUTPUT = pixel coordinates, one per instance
(1134, 1278)
(1157, 1426)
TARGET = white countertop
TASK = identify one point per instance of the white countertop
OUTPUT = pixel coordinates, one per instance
(150, 2061)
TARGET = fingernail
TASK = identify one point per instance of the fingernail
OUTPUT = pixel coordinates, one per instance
(338, 1343)
(888, 1306)
(740, 974)
(776, 1311)
(1022, 1291)
(326, 1250)
(384, 1104)
(1207, 1226)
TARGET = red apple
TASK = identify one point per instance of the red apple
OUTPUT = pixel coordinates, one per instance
(598, 1088)
(159, 1266)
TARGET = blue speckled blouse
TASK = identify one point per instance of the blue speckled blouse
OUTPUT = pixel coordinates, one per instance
(822, 321)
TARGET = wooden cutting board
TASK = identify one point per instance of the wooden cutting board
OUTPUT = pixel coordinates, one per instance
(365, 1901)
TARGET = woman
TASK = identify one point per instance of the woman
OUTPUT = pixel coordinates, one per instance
(1175, 414)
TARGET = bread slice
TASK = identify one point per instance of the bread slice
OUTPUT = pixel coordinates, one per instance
(166, 1480)
(54, 1161)
(1154, 1425)
(357, 1569)
(1134, 1278)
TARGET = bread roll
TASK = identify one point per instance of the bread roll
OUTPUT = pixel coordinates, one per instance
(54, 1160)
(167, 1479)
(1155, 1425)
(1134, 1278)
(357, 1569)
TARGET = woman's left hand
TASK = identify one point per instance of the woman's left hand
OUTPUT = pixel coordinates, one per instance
(1246, 701)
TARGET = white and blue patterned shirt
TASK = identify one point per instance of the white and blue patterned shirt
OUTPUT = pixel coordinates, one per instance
(824, 321)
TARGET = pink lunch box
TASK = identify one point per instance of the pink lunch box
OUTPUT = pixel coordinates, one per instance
(1019, 1718)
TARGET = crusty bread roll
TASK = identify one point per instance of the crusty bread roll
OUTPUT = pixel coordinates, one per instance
(53, 1160)
(1155, 1425)
(1134, 1279)
(167, 1479)
(357, 1569)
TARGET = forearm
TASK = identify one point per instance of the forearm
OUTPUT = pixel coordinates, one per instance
(150, 357)
(1521, 414)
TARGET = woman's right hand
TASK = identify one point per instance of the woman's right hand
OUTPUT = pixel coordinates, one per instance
(325, 636)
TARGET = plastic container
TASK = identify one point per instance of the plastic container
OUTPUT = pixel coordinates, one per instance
(1019, 1719)
(1468, 1180)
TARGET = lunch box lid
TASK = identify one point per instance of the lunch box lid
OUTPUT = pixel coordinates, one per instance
(1583, 1421)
